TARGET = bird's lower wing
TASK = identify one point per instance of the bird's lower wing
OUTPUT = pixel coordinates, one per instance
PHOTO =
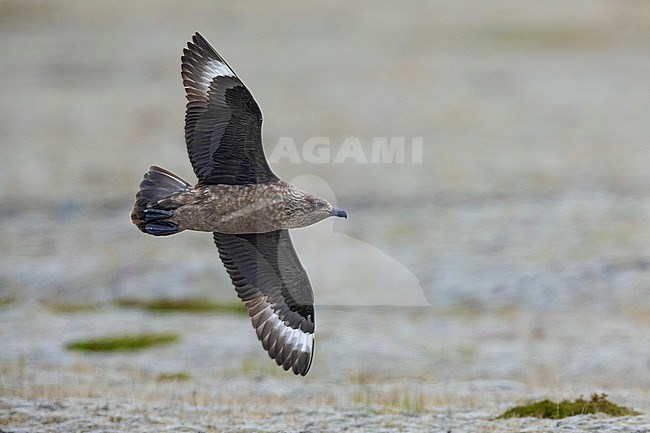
(270, 279)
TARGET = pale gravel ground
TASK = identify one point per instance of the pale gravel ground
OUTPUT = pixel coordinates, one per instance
(518, 251)
(100, 415)
(428, 371)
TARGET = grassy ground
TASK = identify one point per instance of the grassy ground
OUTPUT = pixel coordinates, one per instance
(510, 266)
(215, 378)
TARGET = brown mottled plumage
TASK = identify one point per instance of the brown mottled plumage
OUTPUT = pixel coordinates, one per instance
(245, 205)
(255, 208)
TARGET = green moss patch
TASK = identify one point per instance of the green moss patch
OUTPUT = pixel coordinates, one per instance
(180, 376)
(553, 410)
(6, 302)
(122, 342)
(69, 308)
(188, 305)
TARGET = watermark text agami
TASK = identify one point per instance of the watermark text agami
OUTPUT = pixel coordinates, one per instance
(322, 150)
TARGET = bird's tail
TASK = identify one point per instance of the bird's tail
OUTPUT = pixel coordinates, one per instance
(149, 214)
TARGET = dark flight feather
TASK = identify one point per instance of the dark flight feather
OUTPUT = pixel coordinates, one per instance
(223, 123)
(270, 279)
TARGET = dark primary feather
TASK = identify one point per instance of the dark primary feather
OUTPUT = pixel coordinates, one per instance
(223, 124)
(270, 279)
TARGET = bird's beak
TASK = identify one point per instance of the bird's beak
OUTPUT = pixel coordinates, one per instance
(339, 213)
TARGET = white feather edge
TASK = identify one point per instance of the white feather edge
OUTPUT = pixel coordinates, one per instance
(212, 69)
(207, 72)
(298, 340)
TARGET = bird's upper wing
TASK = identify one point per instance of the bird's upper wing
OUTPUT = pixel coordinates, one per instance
(269, 278)
(223, 124)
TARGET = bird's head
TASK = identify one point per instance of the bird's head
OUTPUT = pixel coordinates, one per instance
(309, 209)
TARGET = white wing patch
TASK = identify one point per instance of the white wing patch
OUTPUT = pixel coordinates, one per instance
(214, 68)
(201, 65)
(285, 344)
(211, 70)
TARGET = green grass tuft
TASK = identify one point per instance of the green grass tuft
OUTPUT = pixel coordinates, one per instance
(566, 408)
(189, 305)
(122, 342)
(180, 376)
(6, 302)
(69, 308)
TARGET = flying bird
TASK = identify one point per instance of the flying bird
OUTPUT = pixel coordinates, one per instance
(238, 198)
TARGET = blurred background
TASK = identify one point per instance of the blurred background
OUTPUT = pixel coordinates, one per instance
(523, 233)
